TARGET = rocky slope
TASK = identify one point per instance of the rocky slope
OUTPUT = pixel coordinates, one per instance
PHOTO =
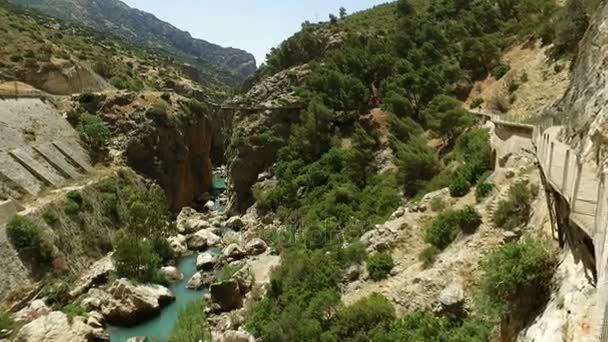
(583, 106)
(268, 108)
(116, 17)
(172, 140)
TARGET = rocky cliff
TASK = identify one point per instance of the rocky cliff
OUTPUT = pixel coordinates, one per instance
(262, 120)
(144, 28)
(583, 107)
(167, 138)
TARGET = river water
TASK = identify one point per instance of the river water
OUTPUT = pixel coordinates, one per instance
(159, 328)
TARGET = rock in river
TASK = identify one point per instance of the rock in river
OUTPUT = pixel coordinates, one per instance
(55, 327)
(129, 304)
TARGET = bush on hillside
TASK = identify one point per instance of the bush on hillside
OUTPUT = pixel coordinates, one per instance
(379, 266)
(191, 324)
(93, 132)
(447, 117)
(501, 70)
(56, 290)
(424, 326)
(483, 190)
(87, 97)
(357, 321)
(517, 277)
(157, 113)
(51, 217)
(73, 310)
(459, 186)
(445, 228)
(6, 322)
(515, 211)
(29, 237)
(74, 203)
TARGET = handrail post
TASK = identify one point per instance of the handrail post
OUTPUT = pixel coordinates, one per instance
(599, 208)
(551, 152)
(547, 140)
(577, 183)
(566, 171)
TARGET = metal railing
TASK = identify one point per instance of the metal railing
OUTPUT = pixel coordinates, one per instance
(583, 187)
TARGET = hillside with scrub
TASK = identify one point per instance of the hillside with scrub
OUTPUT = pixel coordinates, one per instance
(386, 175)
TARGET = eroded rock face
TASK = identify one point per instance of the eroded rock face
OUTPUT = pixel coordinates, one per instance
(130, 304)
(172, 273)
(234, 252)
(178, 244)
(227, 295)
(178, 159)
(256, 247)
(269, 106)
(203, 239)
(55, 327)
(584, 102)
(200, 280)
(36, 309)
(206, 261)
(63, 77)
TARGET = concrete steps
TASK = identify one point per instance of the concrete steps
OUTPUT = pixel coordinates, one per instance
(29, 170)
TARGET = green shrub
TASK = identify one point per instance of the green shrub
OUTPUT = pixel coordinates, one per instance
(354, 253)
(445, 228)
(73, 310)
(74, 203)
(166, 97)
(483, 190)
(30, 62)
(355, 322)
(87, 97)
(51, 217)
(157, 113)
(191, 324)
(501, 70)
(424, 326)
(27, 236)
(428, 256)
(459, 186)
(56, 291)
(516, 209)
(119, 82)
(476, 103)
(517, 277)
(94, 132)
(379, 266)
(16, 58)
(6, 322)
(468, 219)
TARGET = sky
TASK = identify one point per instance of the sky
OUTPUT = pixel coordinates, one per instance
(252, 25)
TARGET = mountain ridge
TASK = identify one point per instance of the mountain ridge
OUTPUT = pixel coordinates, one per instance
(146, 29)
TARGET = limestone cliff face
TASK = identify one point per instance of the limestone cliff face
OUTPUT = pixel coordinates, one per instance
(62, 77)
(178, 158)
(262, 121)
(584, 105)
(172, 141)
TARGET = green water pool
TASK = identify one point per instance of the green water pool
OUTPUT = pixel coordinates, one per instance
(160, 327)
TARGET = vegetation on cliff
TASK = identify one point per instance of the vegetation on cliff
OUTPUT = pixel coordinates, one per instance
(41, 45)
(414, 59)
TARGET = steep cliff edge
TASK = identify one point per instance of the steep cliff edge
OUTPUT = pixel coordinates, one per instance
(116, 17)
(584, 105)
(262, 120)
(167, 138)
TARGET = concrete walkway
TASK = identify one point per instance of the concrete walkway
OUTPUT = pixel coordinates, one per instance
(583, 186)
